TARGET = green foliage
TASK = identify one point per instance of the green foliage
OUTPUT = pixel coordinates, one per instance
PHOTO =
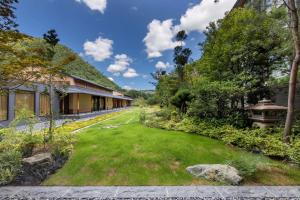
(182, 99)
(142, 116)
(294, 151)
(247, 168)
(265, 141)
(153, 100)
(81, 68)
(62, 143)
(141, 102)
(10, 164)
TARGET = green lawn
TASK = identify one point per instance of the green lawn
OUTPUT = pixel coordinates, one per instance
(132, 154)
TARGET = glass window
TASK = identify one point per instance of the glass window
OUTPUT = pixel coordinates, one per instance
(24, 100)
(44, 105)
(3, 107)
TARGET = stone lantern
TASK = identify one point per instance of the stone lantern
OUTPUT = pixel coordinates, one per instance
(266, 114)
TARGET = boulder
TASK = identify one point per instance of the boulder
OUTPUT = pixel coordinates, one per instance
(216, 172)
(38, 159)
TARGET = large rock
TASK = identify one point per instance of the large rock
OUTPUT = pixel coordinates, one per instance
(217, 172)
(38, 159)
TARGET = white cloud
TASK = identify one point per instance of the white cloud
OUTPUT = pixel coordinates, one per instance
(130, 73)
(100, 49)
(99, 5)
(162, 65)
(198, 17)
(159, 38)
(127, 87)
(122, 62)
(110, 78)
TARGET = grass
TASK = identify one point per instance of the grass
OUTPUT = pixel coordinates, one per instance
(121, 151)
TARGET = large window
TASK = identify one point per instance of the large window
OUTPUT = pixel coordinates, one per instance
(44, 105)
(3, 107)
(24, 100)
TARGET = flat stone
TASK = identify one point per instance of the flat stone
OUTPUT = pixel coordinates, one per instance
(164, 192)
(249, 192)
(141, 192)
(192, 191)
(38, 158)
(284, 191)
(91, 192)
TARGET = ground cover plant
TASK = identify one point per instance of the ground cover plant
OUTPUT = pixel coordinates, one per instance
(122, 151)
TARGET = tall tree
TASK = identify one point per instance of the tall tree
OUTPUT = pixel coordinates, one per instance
(52, 71)
(294, 68)
(7, 16)
(181, 55)
(17, 59)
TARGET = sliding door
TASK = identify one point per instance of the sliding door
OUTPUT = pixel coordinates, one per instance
(3, 107)
(24, 100)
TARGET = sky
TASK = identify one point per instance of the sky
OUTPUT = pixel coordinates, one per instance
(124, 39)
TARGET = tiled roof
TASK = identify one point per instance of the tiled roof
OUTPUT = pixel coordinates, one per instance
(80, 90)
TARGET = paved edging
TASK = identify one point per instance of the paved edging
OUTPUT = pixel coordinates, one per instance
(152, 192)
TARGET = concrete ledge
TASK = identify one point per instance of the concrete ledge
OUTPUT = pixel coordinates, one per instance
(151, 192)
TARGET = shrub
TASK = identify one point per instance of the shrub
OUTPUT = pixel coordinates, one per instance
(294, 151)
(246, 168)
(142, 116)
(62, 143)
(10, 164)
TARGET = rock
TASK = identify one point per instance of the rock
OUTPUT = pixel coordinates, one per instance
(216, 172)
(38, 159)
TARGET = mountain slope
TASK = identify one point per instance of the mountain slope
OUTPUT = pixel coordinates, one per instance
(83, 69)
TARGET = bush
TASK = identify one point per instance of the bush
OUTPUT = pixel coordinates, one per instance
(142, 116)
(62, 143)
(246, 168)
(294, 152)
(266, 141)
(10, 164)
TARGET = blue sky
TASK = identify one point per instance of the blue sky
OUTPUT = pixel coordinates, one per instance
(124, 39)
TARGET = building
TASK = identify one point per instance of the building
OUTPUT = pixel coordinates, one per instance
(74, 97)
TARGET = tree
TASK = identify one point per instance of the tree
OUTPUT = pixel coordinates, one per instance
(7, 16)
(181, 55)
(52, 71)
(294, 68)
(157, 76)
(245, 48)
(18, 57)
(181, 99)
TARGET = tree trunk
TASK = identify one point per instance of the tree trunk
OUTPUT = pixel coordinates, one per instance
(294, 70)
(51, 120)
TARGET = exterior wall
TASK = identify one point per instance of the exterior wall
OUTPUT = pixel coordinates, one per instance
(84, 84)
(36, 89)
(109, 103)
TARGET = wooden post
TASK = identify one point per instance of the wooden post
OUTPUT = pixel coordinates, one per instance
(78, 103)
